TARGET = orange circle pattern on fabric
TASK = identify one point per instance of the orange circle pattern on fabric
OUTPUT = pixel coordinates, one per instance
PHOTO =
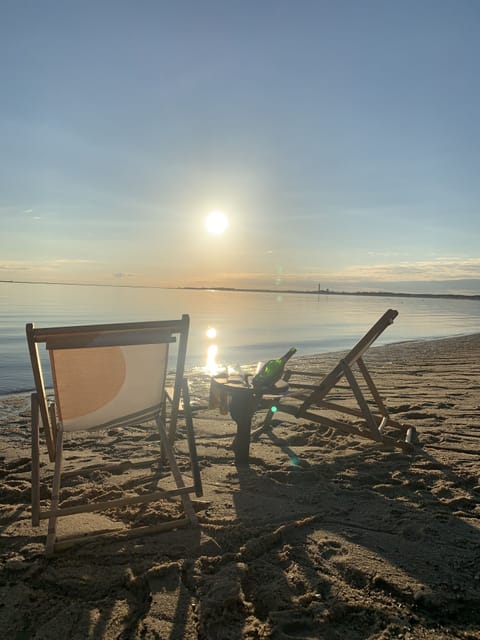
(88, 379)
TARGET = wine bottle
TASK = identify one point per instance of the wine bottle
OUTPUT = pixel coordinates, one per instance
(272, 371)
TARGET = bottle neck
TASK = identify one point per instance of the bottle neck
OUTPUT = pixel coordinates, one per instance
(288, 355)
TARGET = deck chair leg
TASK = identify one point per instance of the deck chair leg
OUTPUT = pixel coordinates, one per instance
(52, 521)
(268, 419)
(266, 424)
(167, 449)
(167, 397)
(192, 447)
(362, 403)
(53, 420)
(35, 461)
(174, 409)
(373, 390)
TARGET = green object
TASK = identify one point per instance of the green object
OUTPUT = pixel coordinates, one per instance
(272, 371)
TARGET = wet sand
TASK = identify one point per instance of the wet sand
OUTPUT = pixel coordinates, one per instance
(321, 536)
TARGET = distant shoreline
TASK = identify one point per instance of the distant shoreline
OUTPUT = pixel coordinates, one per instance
(330, 292)
(318, 292)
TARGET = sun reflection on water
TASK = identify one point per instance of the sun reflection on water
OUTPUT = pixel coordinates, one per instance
(212, 367)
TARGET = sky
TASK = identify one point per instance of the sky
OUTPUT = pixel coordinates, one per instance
(341, 138)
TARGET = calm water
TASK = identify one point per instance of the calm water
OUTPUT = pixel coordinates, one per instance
(249, 326)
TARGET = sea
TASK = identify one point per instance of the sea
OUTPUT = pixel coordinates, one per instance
(227, 328)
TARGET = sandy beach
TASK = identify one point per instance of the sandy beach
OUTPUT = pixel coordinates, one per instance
(321, 536)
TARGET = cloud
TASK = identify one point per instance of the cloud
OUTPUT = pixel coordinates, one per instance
(41, 266)
(16, 267)
(9, 212)
(444, 275)
(62, 261)
(122, 274)
(447, 268)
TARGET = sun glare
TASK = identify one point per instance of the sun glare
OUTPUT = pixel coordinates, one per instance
(216, 223)
(211, 367)
(211, 333)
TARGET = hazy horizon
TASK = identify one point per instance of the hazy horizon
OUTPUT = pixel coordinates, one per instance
(430, 289)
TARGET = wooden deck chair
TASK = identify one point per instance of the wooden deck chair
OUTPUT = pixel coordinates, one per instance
(107, 376)
(311, 402)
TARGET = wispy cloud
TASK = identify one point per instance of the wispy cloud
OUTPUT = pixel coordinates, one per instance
(445, 268)
(10, 267)
(41, 266)
(62, 261)
(448, 268)
(386, 274)
(121, 274)
(17, 213)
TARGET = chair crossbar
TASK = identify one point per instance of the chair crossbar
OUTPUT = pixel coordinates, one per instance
(110, 339)
(175, 326)
(119, 502)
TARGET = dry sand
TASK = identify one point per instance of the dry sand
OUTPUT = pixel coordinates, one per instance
(321, 536)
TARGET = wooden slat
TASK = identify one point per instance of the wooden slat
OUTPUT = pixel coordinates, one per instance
(362, 403)
(371, 385)
(179, 374)
(167, 448)
(369, 338)
(111, 339)
(35, 462)
(192, 447)
(173, 326)
(119, 502)
(57, 478)
(40, 389)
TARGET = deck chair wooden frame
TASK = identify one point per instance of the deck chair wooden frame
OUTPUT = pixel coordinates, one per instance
(70, 350)
(310, 400)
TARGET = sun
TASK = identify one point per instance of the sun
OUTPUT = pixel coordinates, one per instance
(216, 223)
(211, 333)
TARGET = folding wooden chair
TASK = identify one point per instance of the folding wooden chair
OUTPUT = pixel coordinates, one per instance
(310, 402)
(107, 376)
